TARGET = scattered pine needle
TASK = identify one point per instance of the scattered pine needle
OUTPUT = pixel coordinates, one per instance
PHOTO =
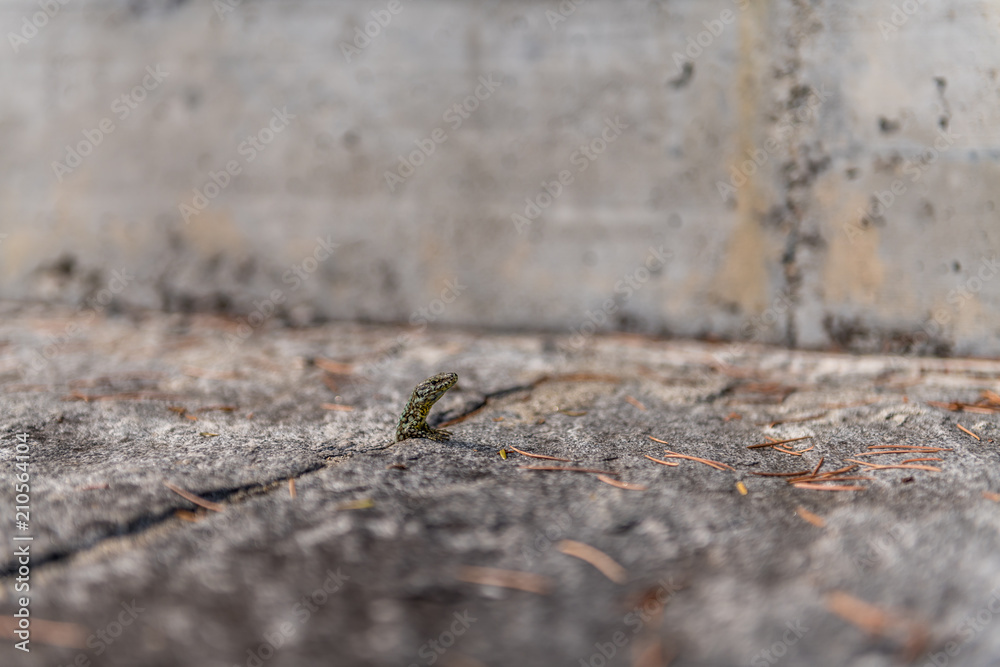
(781, 474)
(926, 458)
(197, 500)
(359, 504)
(914, 448)
(491, 576)
(989, 495)
(795, 420)
(733, 415)
(572, 413)
(962, 428)
(987, 409)
(824, 487)
(838, 471)
(537, 456)
(788, 451)
(709, 462)
(875, 466)
(856, 404)
(636, 402)
(94, 487)
(818, 465)
(622, 485)
(859, 613)
(337, 407)
(778, 442)
(913, 635)
(291, 487)
(825, 478)
(567, 469)
(830, 475)
(335, 367)
(185, 515)
(662, 442)
(666, 463)
(894, 451)
(603, 562)
(814, 519)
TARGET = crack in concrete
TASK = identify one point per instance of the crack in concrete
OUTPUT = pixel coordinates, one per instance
(144, 523)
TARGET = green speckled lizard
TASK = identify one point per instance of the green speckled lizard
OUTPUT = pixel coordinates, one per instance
(413, 421)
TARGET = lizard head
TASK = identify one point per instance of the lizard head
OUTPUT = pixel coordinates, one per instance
(434, 387)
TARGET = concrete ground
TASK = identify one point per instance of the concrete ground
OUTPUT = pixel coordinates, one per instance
(426, 553)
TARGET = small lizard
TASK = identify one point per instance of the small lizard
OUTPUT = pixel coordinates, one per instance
(413, 421)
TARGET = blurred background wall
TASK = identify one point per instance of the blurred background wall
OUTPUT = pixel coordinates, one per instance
(791, 171)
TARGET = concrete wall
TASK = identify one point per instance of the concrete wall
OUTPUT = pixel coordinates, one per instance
(735, 191)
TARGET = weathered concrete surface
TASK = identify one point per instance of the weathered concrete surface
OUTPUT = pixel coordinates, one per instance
(756, 148)
(740, 574)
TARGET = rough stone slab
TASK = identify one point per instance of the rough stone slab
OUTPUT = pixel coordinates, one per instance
(741, 574)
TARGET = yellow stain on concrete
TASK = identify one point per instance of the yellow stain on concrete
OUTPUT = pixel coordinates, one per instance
(854, 272)
(214, 231)
(743, 278)
(16, 250)
(971, 319)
